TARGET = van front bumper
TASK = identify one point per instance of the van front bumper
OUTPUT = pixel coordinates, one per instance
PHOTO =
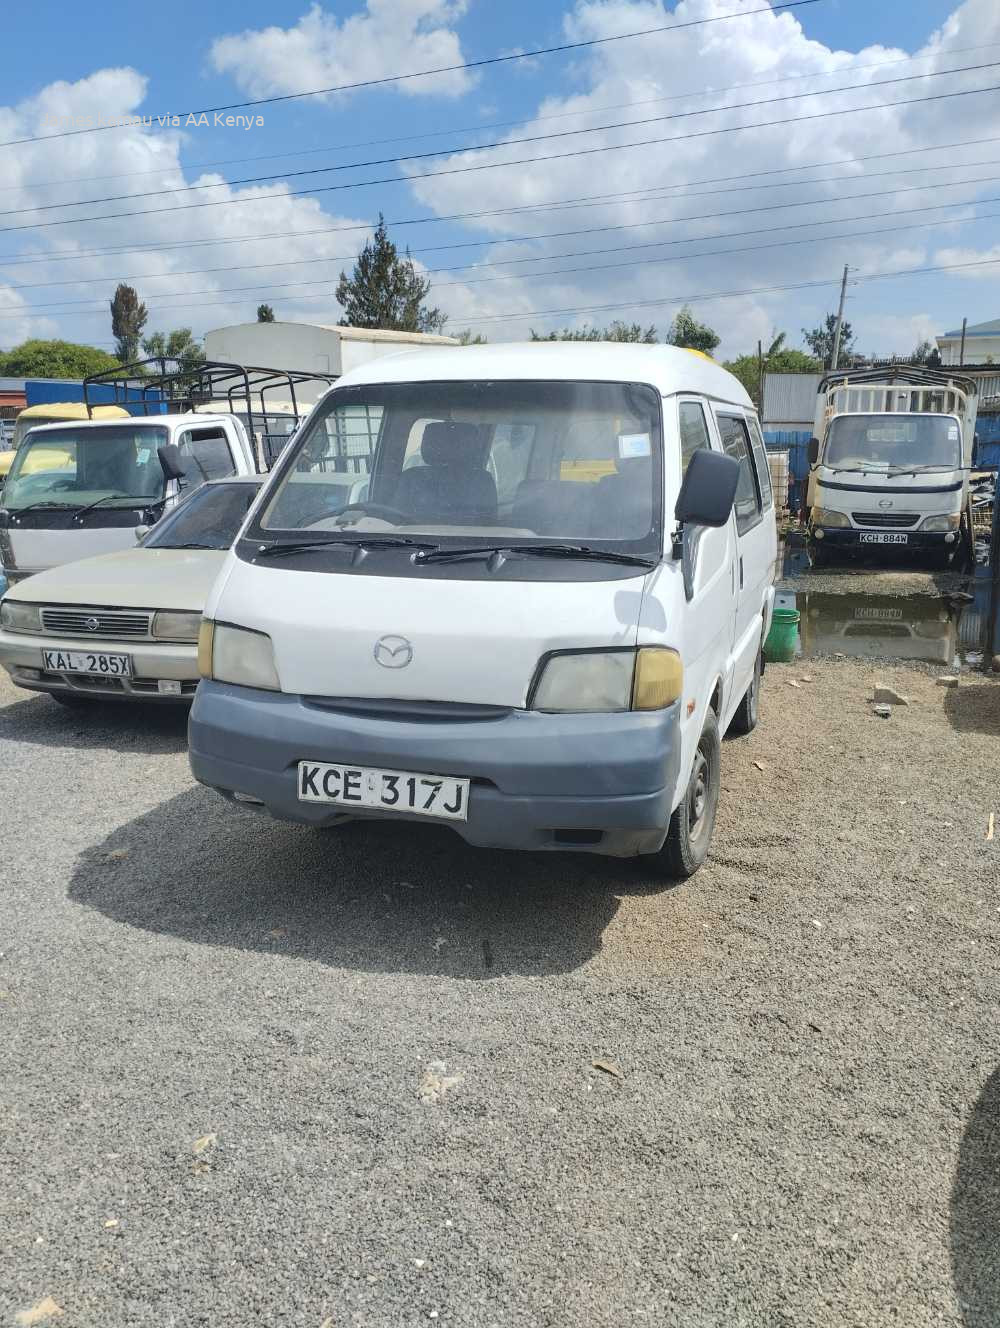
(593, 783)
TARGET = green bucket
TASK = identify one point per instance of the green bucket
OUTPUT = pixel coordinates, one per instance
(780, 644)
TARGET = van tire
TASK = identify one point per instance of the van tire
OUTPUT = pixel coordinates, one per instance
(691, 826)
(748, 711)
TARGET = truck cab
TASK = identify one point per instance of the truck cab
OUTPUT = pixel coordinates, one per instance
(77, 489)
(890, 461)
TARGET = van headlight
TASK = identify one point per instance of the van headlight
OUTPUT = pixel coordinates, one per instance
(237, 655)
(607, 681)
(950, 522)
(17, 617)
(171, 626)
(823, 516)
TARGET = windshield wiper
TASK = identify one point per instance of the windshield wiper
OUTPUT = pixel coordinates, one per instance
(919, 469)
(44, 502)
(534, 550)
(139, 500)
(372, 542)
(193, 545)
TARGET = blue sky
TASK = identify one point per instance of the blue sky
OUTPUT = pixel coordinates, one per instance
(177, 51)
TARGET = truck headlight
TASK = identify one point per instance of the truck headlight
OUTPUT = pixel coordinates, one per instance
(238, 655)
(171, 626)
(609, 681)
(940, 523)
(17, 617)
(823, 516)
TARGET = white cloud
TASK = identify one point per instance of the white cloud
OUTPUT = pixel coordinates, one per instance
(690, 68)
(387, 37)
(970, 260)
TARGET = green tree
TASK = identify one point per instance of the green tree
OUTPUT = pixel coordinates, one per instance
(617, 331)
(686, 331)
(128, 318)
(176, 345)
(466, 338)
(54, 359)
(780, 360)
(925, 352)
(386, 291)
(265, 314)
(820, 342)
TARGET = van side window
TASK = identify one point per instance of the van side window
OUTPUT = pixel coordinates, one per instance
(693, 430)
(760, 458)
(209, 450)
(736, 443)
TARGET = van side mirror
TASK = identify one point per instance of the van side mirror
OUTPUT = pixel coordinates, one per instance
(813, 451)
(170, 461)
(140, 533)
(709, 489)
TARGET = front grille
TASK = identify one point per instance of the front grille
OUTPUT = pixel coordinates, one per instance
(113, 623)
(887, 520)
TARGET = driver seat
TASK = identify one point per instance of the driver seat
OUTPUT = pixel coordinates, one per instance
(452, 485)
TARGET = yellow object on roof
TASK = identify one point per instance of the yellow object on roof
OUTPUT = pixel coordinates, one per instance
(57, 412)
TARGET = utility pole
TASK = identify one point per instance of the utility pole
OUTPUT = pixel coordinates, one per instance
(760, 379)
(835, 354)
(961, 349)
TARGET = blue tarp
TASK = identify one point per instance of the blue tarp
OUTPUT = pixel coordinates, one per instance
(796, 443)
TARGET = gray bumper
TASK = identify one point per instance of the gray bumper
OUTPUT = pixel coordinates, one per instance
(597, 783)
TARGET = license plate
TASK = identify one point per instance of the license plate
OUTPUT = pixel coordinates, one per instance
(388, 790)
(884, 539)
(87, 661)
(873, 614)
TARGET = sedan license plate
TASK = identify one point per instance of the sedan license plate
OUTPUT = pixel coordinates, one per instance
(87, 661)
(388, 790)
(884, 539)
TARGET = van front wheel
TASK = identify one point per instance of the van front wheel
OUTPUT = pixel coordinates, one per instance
(691, 825)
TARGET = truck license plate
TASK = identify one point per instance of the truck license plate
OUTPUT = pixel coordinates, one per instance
(388, 790)
(87, 661)
(884, 539)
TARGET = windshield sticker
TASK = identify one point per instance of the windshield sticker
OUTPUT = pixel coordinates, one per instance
(632, 445)
(952, 433)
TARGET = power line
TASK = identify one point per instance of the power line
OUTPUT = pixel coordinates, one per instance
(500, 143)
(496, 124)
(423, 73)
(526, 161)
(547, 235)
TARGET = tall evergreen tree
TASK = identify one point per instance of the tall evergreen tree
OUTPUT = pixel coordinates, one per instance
(128, 318)
(386, 291)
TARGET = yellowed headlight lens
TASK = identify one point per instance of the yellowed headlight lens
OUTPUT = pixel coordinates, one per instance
(659, 678)
(206, 642)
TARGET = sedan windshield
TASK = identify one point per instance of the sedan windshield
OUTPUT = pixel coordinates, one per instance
(515, 461)
(84, 465)
(894, 442)
(209, 519)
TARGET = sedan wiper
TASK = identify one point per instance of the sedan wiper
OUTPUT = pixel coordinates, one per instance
(374, 542)
(536, 551)
(194, 544)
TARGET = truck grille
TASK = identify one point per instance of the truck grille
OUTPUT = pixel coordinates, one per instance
(886, 520)
(115, 623)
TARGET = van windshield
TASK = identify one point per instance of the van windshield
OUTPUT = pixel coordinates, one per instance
(497, 460)
(894, 442)
(85, 464)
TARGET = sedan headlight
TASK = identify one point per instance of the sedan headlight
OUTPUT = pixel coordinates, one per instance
(171, 626)
(238, 655)
(17, 617)
(606, 681)
(823, 516)
(941, 523)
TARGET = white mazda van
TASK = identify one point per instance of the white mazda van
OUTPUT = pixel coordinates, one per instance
(520, 590)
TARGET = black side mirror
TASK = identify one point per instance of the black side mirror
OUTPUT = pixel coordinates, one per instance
(170, 461)
(709, 489)
(813, 451)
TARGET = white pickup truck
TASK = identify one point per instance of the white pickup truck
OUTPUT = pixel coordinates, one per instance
(890, 461)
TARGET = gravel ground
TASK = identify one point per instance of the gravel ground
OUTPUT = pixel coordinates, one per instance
(250, 1074)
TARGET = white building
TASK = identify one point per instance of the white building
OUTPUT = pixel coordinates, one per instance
(982, 344)
(305, 346)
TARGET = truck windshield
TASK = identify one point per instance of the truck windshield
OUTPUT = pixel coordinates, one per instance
(894, 442)
(518, 460)
(84, 464)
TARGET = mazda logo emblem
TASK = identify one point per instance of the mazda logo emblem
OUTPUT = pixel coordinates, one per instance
(91, 624)
(393, 652)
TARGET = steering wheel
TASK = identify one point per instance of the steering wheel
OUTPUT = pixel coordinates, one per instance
(373, 509)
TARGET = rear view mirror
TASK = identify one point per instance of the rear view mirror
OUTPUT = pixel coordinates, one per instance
(709, 489)
(813, 451)
(170, 461)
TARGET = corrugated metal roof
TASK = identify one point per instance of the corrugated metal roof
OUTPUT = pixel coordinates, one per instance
(790, 398)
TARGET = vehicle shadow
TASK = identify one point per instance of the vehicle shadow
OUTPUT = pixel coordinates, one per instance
(974, 707)
(975, 1212)
(150, 729)
(372, 895)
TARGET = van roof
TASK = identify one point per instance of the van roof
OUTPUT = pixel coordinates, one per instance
(670, 369)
